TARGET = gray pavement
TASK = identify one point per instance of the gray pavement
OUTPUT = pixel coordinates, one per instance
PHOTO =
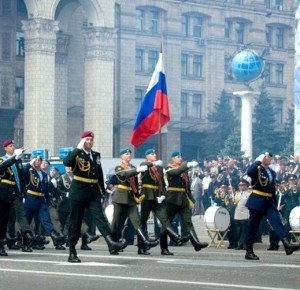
(211, 268)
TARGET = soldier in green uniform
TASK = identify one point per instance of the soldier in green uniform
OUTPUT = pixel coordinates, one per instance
(126, 197)
(154, 189)
(179, 195)
(86, 192)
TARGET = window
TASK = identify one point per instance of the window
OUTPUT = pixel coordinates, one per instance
(139, 60)
(239, 29)
(20, 44)
(184, 25)
(227, 29)
(139, 94)
(269, 31)
(153, 21)
(6, 46)
(197, 26)
(279, 4)
(152, 60)
(184, 64)
(279, 37)
(268, 3)
(6, 7)
(196, 109)
(267, 73)
(239, 2)
(279, 73)
(139, 19)
(197, 66)
(20, 92)
(278, 108)
(184, 102)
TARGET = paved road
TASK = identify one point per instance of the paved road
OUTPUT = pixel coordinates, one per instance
(208, 269)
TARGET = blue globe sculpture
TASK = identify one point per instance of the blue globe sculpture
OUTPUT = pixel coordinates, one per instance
(246, 66)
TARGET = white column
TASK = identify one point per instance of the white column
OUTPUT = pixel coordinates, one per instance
(40, 47)
(247, 98)
(99, 87)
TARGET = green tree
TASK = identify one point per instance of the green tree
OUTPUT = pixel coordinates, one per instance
(224, 122)
(288, 136)
(232, 146)
(265, 135)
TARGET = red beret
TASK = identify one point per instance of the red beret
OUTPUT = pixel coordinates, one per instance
(87, 134)
(8, 142)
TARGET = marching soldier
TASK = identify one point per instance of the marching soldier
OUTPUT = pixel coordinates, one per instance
(86, 192)
(178, 195)
(126, 197)
(13, 186)
(262, 202)
(153, 187)
(37, 196)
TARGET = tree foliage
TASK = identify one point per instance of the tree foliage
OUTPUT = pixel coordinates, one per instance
(232, 145)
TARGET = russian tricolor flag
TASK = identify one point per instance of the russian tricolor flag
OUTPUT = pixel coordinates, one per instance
(154, 112)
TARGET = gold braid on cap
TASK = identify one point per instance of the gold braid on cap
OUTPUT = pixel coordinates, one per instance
(81, 165)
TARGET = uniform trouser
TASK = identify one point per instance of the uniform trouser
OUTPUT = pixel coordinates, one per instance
(17, 213)
(121, 211)
(76, 216)
(160, 211)
(183, 211)
(4, 214)
(44, 216)
(88, 219)
(55, 218)
(241, 231)
(64, 218)
(274, 218)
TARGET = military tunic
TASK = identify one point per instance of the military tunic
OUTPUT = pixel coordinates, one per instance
(179, 194)
(86, 192)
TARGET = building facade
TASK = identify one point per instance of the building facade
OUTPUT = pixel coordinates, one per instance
(66, 66)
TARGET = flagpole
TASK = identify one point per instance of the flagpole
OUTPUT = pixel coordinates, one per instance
(159, 124)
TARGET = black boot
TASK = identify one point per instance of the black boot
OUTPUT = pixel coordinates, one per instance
(115, 247)
(289, 248)
(58, 240)
(142, 250)
(147, 244)
(38, 243)
(250, 254)
(91, 238)
(84, 243)
(28, 241)
(3, 242)
(11, 242)
(2, 251)
(164, 243)
(73, 255)
(195, 241)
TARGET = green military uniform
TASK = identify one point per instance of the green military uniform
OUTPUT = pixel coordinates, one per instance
(179, 197)
(179, 194)
(125, 198)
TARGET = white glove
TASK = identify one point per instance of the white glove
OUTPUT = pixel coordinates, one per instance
(260, 157)
(67, 194)
(142, 168)
(32, 161)
(160, 199)
(192, 164)
(19, 152)
(54, 182)
(81, 143)
(158, 163)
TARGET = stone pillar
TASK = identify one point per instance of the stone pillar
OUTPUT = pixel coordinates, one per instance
(61, 91)
(246, 121)
(99, 87)
(39, 117)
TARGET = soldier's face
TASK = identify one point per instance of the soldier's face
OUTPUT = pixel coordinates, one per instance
(126, 156)
(151, 157)
(89, 142)
(267, 160)
(10, 149)
(177, 159)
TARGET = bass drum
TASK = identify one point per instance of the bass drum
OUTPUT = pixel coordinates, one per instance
(294, 219)
(109, 212)
(217, 218)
